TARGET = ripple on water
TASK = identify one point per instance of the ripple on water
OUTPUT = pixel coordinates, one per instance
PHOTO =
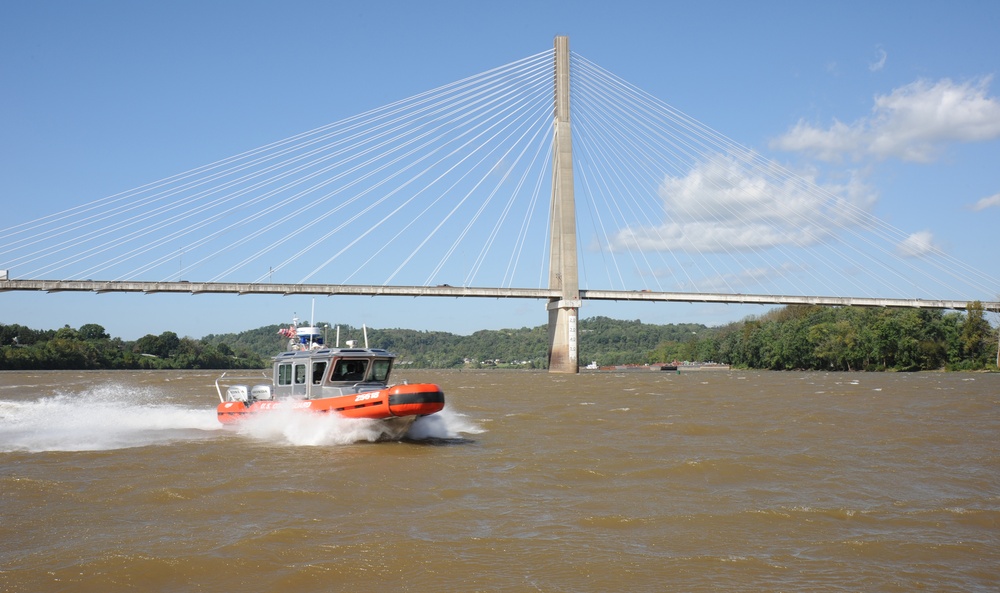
(737, 481)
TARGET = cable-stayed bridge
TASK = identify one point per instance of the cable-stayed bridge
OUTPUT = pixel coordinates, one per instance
(519, 182)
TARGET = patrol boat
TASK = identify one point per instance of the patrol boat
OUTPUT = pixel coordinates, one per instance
(310, 377)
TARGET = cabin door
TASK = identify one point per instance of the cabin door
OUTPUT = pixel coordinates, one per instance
(299, 379)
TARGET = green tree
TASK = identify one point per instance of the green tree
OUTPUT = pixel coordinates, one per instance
(169, 343)
(67, 333)
(976, 336)
(147, 344)
(92, 331)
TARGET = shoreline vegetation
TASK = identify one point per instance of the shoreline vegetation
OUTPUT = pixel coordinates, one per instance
(788, 338)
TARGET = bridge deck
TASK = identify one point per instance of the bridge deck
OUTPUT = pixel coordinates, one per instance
(445, 290)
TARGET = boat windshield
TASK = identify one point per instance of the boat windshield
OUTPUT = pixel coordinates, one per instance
(361, 369)
(380, 370)
(350, 369)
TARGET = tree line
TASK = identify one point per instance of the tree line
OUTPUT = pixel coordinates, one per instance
(90, 347)
(793, 337)
(867, 339)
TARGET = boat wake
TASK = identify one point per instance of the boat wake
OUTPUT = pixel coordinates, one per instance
(296, 428)
(287, 426)
(109, 416)
(120, 416)
(445, 425)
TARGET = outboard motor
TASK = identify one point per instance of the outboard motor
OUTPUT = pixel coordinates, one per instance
(237, 393)
(261, 393)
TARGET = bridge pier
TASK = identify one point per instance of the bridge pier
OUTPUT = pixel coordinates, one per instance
(563, 353)
(563, 274)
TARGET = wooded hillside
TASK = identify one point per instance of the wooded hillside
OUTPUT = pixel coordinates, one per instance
(801, 337)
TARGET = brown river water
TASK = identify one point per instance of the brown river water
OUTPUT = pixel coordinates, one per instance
(606, 481)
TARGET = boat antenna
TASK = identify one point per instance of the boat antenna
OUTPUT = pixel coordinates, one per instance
(364, 328)
(312, 324)
(338, 338)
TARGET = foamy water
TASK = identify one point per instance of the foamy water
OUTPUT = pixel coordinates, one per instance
(294, 427)
(106, 416)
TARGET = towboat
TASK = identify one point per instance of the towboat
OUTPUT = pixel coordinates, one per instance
(352, 382)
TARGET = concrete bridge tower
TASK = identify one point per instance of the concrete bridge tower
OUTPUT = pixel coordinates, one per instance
(563, 275)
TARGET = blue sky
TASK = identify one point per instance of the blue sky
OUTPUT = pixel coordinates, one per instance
(101, 97)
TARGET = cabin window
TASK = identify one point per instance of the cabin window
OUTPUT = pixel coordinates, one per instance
(318, 369)
(284, 374)
(380, 370)
(300, 374)
(349, 370)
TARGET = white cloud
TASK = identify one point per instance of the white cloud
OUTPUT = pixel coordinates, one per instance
(724, 205)
(880, 62)
(985, 203)
(916, 245)
(911, 123)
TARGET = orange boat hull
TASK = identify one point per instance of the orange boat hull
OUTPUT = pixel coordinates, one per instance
(419, 399)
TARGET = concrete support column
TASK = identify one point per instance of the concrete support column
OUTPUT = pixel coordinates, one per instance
(563, 346)
(563, 275)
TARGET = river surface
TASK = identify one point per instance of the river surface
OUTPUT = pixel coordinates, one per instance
(606, 481)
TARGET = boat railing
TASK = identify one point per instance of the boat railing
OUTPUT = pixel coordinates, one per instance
(359, 386)
(233, 379)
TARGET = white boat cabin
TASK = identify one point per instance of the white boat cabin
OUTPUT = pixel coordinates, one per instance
(329, 372)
